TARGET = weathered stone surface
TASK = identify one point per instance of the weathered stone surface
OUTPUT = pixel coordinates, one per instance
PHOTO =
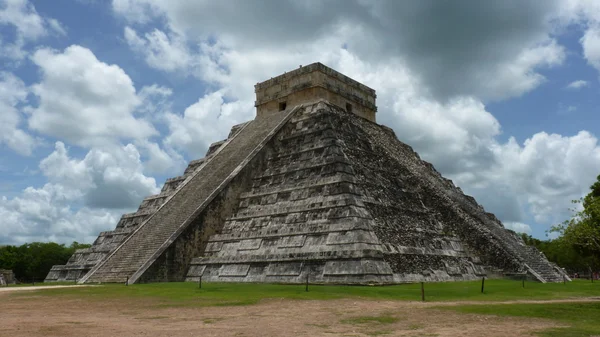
(315, 81)
(315, 191)
(7, 277)
(342, 200)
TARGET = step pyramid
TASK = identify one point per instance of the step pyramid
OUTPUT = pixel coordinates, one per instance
(343, 201)
(312, 188)
(83, 260)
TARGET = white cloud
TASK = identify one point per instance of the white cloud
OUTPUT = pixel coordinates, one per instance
(591, 46)
(160, 51)
(85, 101)
(56, 26)
(13, 92)
(518, 76)
(539, 177)
(585, 14)
(203, 122)
(110, 177)
(459, 49)
(81, 198)
(550, 170)
(137, 11)
(29, 26)
(155, 99)
(23, 16)
(518, 227)
(159, 160)
(578, 84)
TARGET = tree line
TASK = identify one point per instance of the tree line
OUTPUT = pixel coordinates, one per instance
(32, 261)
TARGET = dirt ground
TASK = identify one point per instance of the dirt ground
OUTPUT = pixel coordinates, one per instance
(34, 315)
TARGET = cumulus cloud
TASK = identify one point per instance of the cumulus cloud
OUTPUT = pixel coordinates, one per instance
(81, 198)
(551, 170)
(577, 84)
(94, 105)
(159, 159)
(460, 48)
(586, 14)
(518, 227)
(203, 122)
(161, 51)
(591, 46)
(85, 101)
(539, 177)
(29, 26)
(105, 178)
(155, 99)
(13, 92)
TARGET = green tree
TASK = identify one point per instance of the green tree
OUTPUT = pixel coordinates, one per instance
(582, 231)
(32, 261)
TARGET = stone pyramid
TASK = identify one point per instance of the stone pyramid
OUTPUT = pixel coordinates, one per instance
(311, 188)
(85, 259)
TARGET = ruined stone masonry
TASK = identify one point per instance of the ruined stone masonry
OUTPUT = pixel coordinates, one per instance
(311, 188)
(7, 277)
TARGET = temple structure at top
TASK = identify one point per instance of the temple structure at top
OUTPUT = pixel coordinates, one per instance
(313, 82)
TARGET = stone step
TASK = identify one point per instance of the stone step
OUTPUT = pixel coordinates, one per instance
(214, 147)
(358, 251)
(313, 182)
(146, 244)
(285, 153)
(193, 165)
(336, 163)
(315, 212)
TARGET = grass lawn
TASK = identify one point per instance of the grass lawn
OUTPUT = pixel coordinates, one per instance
(579, 319)
(582, 319)
(182, 293)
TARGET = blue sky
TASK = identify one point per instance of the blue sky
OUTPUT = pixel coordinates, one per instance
(101, 101)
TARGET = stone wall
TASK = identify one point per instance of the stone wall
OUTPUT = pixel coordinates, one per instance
(8, 276)
(312, 82)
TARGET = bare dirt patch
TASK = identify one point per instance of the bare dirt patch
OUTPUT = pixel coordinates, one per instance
(34, 315)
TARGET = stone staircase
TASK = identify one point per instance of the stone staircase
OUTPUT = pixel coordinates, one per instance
(137, 253)
(83, 260)
(540, 267)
